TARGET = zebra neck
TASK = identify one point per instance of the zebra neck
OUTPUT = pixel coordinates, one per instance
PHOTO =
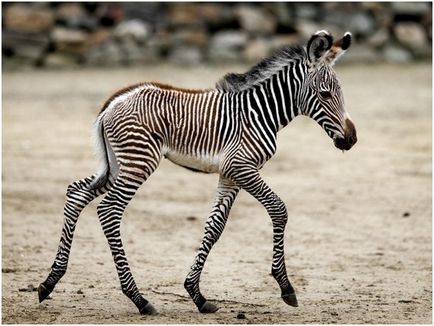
(274, 101)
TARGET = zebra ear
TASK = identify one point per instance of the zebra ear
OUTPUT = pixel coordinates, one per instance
(318, 45)
(339, 47)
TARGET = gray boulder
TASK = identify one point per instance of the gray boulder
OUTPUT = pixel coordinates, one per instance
(255, 20)
(227, 45)
(135, 29)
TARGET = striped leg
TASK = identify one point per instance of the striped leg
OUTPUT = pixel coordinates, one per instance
(110, 212)
(252, 182)
(77, 197)
(226, 194)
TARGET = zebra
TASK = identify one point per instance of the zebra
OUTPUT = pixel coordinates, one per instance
(230, 130)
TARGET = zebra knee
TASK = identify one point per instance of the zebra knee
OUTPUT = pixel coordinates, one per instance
(81, 184)
(103, 210)
(278, 213)
(109, 216)
(78, 195)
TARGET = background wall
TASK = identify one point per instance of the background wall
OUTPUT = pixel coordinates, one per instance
(108, 34)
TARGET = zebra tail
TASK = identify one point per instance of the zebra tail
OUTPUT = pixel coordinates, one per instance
(101, 151)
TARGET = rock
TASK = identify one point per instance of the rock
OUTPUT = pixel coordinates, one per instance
(361, 53)
(379, 38)
(60, 60)
(255, 20)
(307, 28)
(227, 45)
(195, 37)
(241, 315)
(136, 29)
(24, 45)
(405, 301)
(413, 8)
(80, 292)
(28, 18)
(397, 54)
(411, 35)
(108, 54)
(183, 15)
(284, 40)
(160, 40)
(73, 15)
(147, 12)
(229, 39)
(307, 10)
(132, 52)
(361, 23)
(69, 40)
(382, 15)
(69, 36)
(257, 50)
(98, 37)
(110, 13)
(406, 214)
(70, 10)
(186, 55)
(215, 14)
(191, 218)
(337, 14)
(112, 53)
(29, 288)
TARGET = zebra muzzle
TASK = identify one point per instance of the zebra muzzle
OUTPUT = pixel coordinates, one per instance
(346, 143)
(349, 140)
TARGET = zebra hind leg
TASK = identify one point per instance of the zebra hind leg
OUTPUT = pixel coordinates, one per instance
(78, 195)
(110, 212)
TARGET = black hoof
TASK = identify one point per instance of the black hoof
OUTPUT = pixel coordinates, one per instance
(148, 309)
(43, 292)
(208, 308)
(290, 299)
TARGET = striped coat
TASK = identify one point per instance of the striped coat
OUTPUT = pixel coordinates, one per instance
(230, 130)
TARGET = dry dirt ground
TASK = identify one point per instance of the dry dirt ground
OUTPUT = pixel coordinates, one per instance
(358, 241)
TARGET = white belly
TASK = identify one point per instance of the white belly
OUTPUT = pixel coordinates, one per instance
(203, 163)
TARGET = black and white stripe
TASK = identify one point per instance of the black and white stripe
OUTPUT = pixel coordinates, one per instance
(230, 130)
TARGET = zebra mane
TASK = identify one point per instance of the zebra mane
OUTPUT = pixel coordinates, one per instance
(234, 82)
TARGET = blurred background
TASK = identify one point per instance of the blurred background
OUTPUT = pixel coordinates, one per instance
(115, 34)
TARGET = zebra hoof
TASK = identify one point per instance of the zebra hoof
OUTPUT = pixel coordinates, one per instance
(208, 308)
(290, 299)
(43, 292)
(148, 309)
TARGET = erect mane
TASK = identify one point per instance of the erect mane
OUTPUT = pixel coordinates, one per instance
(233, 82)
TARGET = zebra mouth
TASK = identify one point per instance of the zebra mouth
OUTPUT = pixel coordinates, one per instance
(343, 144)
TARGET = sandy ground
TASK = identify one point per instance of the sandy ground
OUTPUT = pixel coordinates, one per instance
(358, 241)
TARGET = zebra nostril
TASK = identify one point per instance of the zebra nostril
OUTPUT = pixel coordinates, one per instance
(351, 140)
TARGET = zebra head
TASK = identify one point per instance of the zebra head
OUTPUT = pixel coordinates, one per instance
(323, 99)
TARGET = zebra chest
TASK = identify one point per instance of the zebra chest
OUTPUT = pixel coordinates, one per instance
(200, 162)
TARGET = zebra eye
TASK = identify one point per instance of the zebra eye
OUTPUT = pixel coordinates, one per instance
(326, 95)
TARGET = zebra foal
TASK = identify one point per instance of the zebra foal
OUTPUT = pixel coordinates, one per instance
(230, 130)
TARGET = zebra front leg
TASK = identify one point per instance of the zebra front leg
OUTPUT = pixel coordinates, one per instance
(252, 182)
(77, 197)
(110, 212)
(226, 194)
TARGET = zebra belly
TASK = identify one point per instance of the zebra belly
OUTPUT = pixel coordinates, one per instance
(203, 163)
